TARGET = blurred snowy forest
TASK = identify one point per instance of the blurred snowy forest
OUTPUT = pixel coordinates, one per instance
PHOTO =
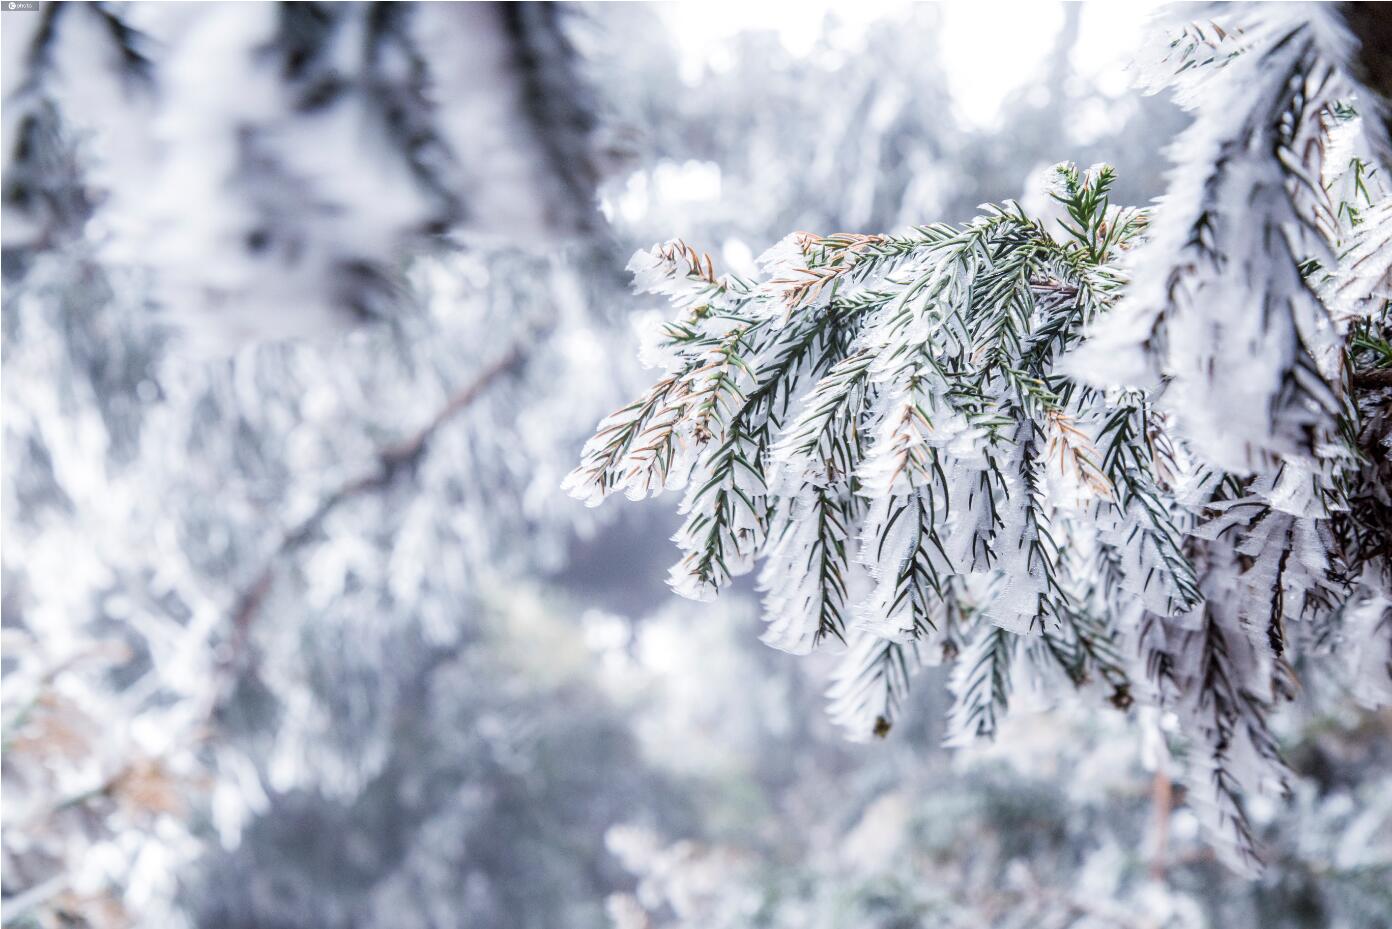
(309, 309)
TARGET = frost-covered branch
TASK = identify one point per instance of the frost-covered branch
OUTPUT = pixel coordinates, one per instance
(1139, 454)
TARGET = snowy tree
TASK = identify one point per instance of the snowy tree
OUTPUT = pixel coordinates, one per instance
(324, 143)
(282, 639)
(212, 628)
(188, 584)
(1141, 451)
(1066, 819)
(1052, 826)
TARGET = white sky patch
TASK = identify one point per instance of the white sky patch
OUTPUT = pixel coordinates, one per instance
(991, 50)
(701, 30)
(668, 185)
(1108, 38)
(690, 181)
(988, 50)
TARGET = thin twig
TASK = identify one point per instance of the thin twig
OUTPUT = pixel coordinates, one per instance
(391, 461)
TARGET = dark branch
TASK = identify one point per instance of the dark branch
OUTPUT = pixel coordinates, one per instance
(1375, 379)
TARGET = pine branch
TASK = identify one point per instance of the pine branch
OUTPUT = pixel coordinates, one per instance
(871, 684)
(950, 430)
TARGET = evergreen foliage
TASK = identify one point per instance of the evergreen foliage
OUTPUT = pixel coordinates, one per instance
(1141, 451)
